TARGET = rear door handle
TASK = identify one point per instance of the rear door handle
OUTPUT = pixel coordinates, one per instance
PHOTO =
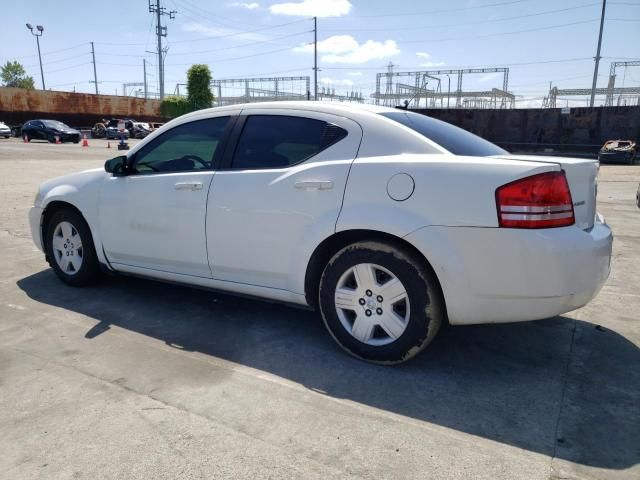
(314, 185)
(188, 186)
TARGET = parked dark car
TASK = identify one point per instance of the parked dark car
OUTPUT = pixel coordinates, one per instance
(49, 130)
(111, 131)
(624, 150)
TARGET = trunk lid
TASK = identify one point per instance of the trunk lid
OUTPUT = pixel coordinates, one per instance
(582, 175)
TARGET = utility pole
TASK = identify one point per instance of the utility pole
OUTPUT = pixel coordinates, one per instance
(40, 29)
(154, 7)
(597, 57)
(144, 71)
(315, 58)
(448, 89)
(95, 75)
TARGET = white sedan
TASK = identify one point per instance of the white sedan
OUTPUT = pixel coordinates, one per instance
(388, 222)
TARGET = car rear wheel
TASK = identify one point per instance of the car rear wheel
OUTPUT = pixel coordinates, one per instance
(69, 248)
(379, 303)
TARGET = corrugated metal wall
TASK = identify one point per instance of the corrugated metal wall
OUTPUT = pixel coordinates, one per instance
(579, 129)
(76, 109)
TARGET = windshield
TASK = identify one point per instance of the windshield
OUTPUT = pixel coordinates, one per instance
(55, 124)
(454, 139)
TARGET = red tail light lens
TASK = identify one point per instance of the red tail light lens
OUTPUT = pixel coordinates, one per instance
(539, 201)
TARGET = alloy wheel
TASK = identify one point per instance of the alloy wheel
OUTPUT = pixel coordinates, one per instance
(67, 248)
(372, 304)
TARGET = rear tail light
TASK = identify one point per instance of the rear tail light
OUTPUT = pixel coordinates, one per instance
(539, 201)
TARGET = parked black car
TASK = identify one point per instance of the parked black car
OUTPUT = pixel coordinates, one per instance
(49, 130)
(624, 150)
(112, 133)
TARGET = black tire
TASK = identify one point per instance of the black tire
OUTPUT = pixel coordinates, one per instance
(89, 271)
(51, 139)
(426, 303)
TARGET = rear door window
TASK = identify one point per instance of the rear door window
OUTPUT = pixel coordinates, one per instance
(277, 141)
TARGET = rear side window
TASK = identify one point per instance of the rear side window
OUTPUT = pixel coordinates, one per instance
(454, 139)
(275, 141)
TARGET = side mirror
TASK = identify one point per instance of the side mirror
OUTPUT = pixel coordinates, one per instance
(117, 166)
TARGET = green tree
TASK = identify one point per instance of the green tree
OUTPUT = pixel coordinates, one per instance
(14, 75)
(199, 87)
(172, 107)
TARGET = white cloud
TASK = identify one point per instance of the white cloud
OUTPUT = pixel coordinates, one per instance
(336, 45)
(331, 82)
(345, 49)
(355, 74)
(427, 56)
(221, 32)
(248, 6)
(313, 8)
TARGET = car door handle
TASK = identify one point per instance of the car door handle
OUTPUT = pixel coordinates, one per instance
(314, 185)
(188, 186)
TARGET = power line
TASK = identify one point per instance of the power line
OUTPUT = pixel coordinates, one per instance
(216, 37)
(548, 27)
(68, 68)
(185, 4)
(53, 52)
(66, 59)
(449, 10)
(502, 19)
(541, 62)
(244, 44)
(228, 59)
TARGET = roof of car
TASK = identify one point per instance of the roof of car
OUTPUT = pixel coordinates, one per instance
(316, 106)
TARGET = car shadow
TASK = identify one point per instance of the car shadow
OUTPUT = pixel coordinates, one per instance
(559, 387)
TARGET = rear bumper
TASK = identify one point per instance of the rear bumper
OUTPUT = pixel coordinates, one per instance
(615, 156)
(496, 275)
(35, 219)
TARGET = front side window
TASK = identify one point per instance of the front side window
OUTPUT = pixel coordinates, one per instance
(454, 139)
(187, 147)
(276, 141)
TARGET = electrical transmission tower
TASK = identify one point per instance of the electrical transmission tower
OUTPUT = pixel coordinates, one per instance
(161, 31)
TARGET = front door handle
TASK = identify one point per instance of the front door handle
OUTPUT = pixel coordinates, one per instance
(314, 185)
(188, 186)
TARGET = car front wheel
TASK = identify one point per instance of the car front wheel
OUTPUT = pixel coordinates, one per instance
(70, 250)
(380, 303)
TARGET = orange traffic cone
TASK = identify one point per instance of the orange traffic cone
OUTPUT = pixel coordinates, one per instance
(25, 139)
(85, 142)
(58, 140)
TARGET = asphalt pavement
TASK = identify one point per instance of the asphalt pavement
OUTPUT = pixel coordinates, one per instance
(137, 379)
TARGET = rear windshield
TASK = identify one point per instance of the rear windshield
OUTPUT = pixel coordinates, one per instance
(454, 139)
(54, 124)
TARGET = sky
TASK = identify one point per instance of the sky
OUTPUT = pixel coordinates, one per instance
(541, 41)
